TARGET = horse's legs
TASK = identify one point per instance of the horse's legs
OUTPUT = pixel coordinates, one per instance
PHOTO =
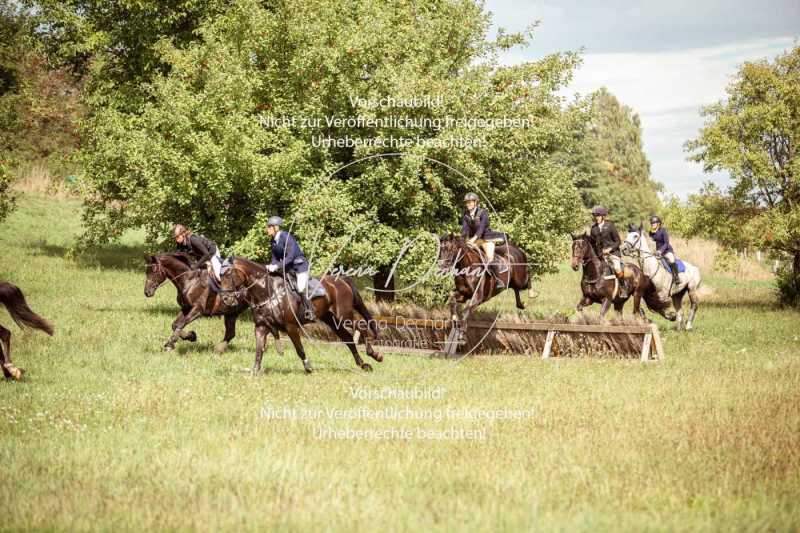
(294, 335)
(584, 302)
(230, 332)
(363, 333)
(9, 370)
(618, 306)
(454, 311)
(604, 307)
(693, 310)
(346, 338)
(520, 305)
(178, 326)
(677, 302)
(190, 336)
(261, 340)
(278, 343)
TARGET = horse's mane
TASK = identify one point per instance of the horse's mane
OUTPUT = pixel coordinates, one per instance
(183, 257)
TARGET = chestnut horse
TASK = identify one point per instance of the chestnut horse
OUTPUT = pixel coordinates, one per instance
(13, 299)
(276, 307)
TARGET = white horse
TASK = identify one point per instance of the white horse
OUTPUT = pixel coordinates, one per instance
(635, 244)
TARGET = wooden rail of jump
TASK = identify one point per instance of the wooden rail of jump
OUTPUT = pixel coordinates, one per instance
(651, 338)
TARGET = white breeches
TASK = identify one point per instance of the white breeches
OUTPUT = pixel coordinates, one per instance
(302, 281)
(488, 249)
(216, 264)
(670, 257)
(616, 263)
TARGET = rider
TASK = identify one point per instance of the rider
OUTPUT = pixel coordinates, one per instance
(287, 255)
(607, 243)
(475, 228)
(663, 247)
(198, 247)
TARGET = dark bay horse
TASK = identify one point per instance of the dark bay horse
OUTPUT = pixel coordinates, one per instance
(597, 289)
(195, 297)
(474, 283)
(13, 299)
(276, 307)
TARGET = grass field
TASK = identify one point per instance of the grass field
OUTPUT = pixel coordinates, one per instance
(108, 432)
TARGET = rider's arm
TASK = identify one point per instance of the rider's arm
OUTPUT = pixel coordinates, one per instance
(664, 241)
(291, 251)
(483, 223)
(200, 249)
(464, 227)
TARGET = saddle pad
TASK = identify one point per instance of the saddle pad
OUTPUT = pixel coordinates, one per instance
(315, 288)
(678, 262)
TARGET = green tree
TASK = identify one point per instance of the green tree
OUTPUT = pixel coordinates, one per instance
(196, 150)
(753, 134)
(616, 172)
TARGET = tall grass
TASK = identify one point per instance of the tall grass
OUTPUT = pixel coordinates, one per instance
(109, 433)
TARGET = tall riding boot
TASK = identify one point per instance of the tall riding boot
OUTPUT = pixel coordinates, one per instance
(308, 308)
(495, 266)
(675, 280)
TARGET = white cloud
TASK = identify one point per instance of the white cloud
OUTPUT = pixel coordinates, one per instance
(667, 89)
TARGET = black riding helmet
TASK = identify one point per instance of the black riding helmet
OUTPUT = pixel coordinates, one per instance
(655, 219)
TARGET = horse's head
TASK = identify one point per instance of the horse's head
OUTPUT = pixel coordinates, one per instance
(582, 248)
(633, 241)
(156, 275)
(450, 251)
(231, 282)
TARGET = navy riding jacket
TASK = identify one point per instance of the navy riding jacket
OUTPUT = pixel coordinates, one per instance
(662, 241)
(286, 253)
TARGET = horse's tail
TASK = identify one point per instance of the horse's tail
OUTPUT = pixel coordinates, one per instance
(358, 304)
(14, 300)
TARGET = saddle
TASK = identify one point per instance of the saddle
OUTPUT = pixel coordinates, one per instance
(315, 289)
(678, 263)
(213, 282)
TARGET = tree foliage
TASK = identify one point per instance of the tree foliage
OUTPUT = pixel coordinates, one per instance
(616, 172)
(193, 149)
(753, 134)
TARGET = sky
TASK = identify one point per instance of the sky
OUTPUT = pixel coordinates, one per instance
(663, 59)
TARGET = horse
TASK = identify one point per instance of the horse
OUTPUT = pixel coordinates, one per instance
(662, 280)
(276, 307)
(195, 297)
(597, 289)
(474, 282)
(13, 299)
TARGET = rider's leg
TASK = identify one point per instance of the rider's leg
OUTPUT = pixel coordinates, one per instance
(619, 271)
(670, 257)
(216, 264)
(488, 248)
(302, 284)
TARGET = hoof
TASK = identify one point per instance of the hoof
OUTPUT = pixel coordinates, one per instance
(378, 357)
(254, 371)
(168, 348)
(221, 347)
(307, 367)
(13, 372)
(191, 337)
(366, 367)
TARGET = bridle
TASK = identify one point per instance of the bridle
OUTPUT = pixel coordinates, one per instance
(588, 258)
(640, 253)
(242, 292)
(162, 271)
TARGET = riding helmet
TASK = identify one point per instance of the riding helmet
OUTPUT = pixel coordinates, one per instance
(275, 221)
(599, 211)
(471, 196)
(655, 219)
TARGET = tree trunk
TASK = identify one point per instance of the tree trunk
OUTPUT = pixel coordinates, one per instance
(796, 270)
(383, 292)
